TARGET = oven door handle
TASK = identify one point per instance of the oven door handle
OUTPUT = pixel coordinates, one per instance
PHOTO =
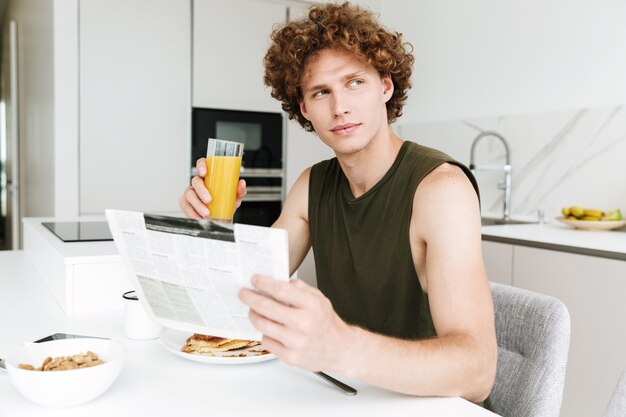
(262, 197)
(252, 172)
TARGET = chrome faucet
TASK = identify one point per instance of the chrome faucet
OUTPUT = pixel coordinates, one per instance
(506, 186)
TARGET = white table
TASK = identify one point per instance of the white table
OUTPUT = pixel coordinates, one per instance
(154, 382)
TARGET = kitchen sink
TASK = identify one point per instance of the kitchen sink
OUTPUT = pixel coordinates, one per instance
(492, 221)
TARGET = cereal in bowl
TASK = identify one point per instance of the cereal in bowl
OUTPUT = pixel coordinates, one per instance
(66, 363)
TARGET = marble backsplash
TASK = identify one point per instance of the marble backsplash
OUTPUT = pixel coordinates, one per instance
(558, 159)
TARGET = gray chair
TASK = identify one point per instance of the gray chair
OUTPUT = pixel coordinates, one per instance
(533, 332)
(617, 404)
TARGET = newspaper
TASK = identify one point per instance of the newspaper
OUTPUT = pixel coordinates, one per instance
(187, 272)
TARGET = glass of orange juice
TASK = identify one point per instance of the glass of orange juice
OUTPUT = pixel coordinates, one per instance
(223, 163)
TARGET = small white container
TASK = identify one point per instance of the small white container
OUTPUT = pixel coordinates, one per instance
(137, 324)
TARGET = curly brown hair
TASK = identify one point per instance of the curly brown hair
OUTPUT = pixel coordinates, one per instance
(343, 26)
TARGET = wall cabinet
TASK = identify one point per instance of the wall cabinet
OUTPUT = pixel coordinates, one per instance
(134, 66)
(105, 93)
(229, 43)
(593, 289)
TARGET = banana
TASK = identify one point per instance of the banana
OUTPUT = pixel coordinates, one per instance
(612, 215)
(577, 211)
(593, 213)
(590, 218)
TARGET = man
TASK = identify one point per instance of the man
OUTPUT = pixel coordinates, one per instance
(403, 300)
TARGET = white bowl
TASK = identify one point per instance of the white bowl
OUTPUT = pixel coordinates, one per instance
(65, 388)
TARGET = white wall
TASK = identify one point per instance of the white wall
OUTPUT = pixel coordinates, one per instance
(559, 158)
(490, 57)
(374, 5)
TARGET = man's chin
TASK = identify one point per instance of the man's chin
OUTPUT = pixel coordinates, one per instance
(347, 149)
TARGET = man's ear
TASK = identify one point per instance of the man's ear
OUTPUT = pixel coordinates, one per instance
(303, 109)
(387, 87)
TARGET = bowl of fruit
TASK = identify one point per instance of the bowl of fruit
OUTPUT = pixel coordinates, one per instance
(591, 218)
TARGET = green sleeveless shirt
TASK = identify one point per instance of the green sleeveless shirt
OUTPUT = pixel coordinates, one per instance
(362, 249)
(361, 245)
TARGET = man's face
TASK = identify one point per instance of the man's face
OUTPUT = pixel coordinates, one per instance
(344, 99)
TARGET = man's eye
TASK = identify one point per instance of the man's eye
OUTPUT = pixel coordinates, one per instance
(356, 83)
(320, 93)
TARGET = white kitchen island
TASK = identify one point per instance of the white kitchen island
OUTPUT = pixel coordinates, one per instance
(154, 382)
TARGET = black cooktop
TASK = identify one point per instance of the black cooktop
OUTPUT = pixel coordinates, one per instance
(80, 231)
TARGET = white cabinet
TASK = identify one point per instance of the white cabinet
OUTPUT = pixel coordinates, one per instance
(594, 291)
(83, 277)
(498, 258)
(229, 42)
(134, 98)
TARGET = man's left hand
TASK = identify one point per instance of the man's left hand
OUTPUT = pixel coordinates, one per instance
(298, 323)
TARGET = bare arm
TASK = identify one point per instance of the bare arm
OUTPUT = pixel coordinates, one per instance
(294, 218)
(461, 360)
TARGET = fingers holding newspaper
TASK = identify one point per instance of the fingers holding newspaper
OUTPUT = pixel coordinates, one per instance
(193, 202)
(298, 323)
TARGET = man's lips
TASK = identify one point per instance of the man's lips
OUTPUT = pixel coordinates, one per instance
(345, 129)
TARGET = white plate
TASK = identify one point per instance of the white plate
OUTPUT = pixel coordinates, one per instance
(593, 224)
(173, 340)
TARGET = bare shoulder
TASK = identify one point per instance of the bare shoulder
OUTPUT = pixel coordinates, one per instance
(445, 175)
(446, 197)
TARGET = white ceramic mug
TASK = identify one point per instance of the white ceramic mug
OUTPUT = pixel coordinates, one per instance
(137, 324)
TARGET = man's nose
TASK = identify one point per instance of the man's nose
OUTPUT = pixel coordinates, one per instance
(341, 105)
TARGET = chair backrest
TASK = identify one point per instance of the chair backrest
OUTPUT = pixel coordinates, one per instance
(533, 332)
(617, 404)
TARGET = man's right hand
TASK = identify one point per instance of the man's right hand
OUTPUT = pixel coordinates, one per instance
(194, 200)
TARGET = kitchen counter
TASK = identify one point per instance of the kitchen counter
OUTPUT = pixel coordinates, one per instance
(157, 383)
(560, 237)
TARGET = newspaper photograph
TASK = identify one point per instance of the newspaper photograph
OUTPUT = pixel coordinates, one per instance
(188, 272)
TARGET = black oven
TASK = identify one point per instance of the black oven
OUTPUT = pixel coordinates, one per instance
(263, 167)
(260, 132)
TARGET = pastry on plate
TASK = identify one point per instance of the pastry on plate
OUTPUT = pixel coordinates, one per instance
(208, 345)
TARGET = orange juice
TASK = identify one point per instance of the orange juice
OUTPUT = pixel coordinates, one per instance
(221, 180)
